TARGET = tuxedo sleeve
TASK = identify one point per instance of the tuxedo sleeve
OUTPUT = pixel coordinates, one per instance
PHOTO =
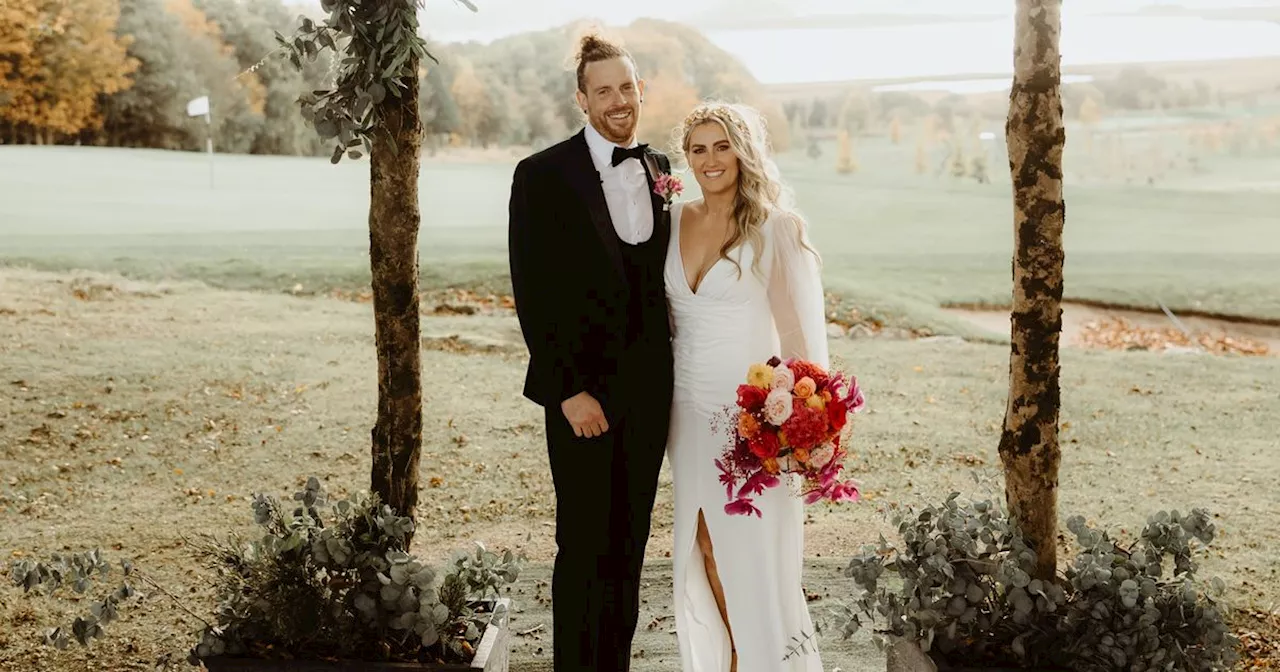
(533, 238)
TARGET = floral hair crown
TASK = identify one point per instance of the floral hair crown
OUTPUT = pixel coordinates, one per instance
(722, 113)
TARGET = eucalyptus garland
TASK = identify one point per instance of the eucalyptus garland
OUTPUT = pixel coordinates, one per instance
(377, 48)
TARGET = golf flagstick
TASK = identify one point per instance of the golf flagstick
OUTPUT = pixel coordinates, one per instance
(200, 107)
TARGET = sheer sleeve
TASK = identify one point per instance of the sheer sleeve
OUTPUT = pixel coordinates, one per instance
(795, 291)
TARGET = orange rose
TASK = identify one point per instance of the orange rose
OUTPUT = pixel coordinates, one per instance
(770, 465)
(826, 395)
(748, 426)
(801, 455)
(816, 401)
(805, 387)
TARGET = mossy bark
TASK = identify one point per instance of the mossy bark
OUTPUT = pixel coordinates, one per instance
(1029, 447)
(394, 218)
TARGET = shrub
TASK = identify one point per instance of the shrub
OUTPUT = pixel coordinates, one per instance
(967, 594)
(342, 586)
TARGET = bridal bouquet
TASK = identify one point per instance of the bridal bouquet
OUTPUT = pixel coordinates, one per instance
(789, 420)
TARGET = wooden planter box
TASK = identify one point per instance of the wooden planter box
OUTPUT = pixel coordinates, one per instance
(907, 656)
(492, 655)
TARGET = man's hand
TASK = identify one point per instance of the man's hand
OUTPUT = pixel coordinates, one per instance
(585, 415)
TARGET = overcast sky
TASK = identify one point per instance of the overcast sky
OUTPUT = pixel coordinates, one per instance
(445, 18)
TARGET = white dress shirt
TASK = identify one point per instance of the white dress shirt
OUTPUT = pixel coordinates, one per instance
(626, 190)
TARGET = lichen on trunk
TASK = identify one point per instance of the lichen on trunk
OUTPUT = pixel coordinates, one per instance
(393, 256)
(1035, 134)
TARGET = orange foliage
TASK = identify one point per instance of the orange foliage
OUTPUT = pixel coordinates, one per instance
(56, 58)
(200, 26)
(195, 21)
(667, 100)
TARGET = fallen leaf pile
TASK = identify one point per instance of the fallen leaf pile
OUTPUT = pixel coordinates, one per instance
(1120, 334)
(362, 296)
(442, 302)
(1259, 634)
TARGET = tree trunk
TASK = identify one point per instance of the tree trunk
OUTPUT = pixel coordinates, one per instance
(1029, 444)
(393, 257)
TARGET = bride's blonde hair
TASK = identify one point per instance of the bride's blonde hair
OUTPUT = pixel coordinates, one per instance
(760, 188)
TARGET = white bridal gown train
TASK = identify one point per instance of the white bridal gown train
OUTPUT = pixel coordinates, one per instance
(727, 324)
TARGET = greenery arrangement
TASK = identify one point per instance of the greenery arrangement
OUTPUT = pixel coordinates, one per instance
(324, 580)
(966, 594)
(340, 585)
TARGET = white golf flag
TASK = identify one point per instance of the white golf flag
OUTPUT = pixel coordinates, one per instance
(198, 107)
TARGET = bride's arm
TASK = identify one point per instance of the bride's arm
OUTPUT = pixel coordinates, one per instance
(795, 291)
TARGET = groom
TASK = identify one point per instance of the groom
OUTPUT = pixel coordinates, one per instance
(588, 239)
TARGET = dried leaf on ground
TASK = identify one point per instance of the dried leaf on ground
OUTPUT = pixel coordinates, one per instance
(1259, 634)
(1120, 334)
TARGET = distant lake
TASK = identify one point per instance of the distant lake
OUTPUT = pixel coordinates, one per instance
(986, 47)
(979, 46)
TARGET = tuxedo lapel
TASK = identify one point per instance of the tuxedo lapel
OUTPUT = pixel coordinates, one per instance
(586, 182)
(654, 162)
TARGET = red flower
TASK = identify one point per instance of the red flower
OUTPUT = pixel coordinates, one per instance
(804, 368)
(751, 398)
(807, 427)
(837, 414)
(765, 445)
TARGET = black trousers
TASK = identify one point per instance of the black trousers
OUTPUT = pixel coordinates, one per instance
(605, 489)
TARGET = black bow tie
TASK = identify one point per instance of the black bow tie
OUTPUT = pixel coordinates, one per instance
(620, 154)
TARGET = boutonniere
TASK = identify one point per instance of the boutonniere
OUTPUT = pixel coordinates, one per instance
(667, 186)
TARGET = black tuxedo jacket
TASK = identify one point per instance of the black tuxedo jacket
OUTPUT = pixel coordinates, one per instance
(571, 289)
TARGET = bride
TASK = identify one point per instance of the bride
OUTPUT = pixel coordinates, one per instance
(743, 285)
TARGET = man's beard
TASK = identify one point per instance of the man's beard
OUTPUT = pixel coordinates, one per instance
(618, 131)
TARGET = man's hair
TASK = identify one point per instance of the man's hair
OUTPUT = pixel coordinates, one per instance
(592, 48)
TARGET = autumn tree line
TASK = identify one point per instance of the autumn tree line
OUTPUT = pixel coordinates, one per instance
(121, 72)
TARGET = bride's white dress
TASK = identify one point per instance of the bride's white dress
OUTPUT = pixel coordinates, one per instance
(729, 323)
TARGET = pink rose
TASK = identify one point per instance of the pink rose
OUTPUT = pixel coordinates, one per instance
(783, 379)
(777, 407)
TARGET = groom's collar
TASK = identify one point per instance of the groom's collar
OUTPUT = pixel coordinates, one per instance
(602, 149)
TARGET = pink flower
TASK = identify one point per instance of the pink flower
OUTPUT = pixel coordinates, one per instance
(758, 483)
(783, 379)
(833, 492)
(777, 407)
(742, 507)
(854, 398)
(667, 186)
(821, 456)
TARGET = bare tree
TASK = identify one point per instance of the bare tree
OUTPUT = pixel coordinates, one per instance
(1035, 134)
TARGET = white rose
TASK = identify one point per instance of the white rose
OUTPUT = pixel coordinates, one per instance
(820, 456)
(777, 407)
(783, 378)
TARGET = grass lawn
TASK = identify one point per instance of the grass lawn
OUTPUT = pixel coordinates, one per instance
(897, 244)
(145, 413)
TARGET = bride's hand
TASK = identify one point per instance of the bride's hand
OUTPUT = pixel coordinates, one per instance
(585, 415)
